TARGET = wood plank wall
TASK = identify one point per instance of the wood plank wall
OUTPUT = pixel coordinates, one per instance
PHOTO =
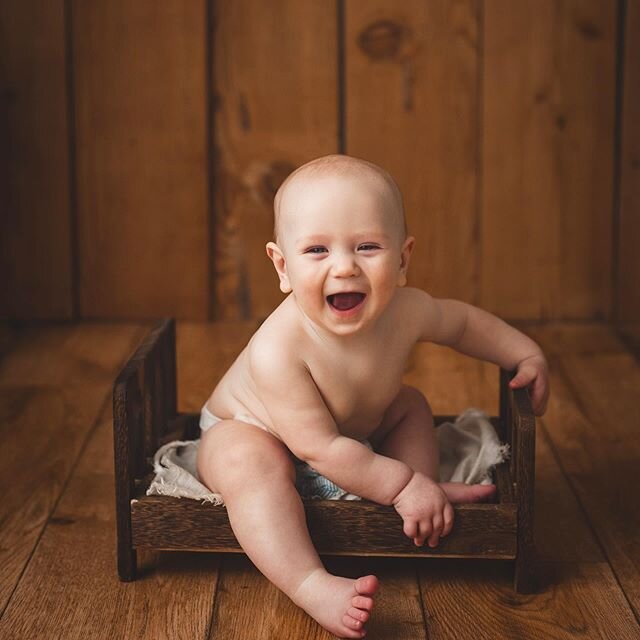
(142, 143)
(36, 223)
(628, 273)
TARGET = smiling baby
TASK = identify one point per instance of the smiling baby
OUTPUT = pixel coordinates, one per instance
(323, 374)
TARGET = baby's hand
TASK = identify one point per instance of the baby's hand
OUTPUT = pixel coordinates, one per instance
(425, 510)
(534, 371)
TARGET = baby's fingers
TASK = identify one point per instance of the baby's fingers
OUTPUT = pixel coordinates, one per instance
(438, 524)
(410, 528)
(425, 531)
(540, 395)
(449, 516)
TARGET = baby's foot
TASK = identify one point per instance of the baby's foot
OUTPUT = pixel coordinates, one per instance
(458, 492)
(340, 605)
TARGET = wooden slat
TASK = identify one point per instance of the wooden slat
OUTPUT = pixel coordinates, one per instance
(411, 106)
(397, 611)
(595, 434)
(562, 533)
(70, 588)
(275, 79)
(8, 336)
(336, 527)
(628, 272)
(467, 599)
(593, 418)
(35, 224)
(140, 79)
(53, 384)
(548, 119)
(239, 589)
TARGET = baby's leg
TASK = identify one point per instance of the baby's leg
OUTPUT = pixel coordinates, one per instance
(407, 433)
(256, 477)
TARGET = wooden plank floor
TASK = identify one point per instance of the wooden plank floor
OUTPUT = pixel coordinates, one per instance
(57, 521)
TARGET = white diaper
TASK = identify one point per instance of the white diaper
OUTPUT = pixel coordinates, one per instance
(207, 419)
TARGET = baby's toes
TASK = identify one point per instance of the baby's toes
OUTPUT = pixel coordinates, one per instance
(362, 602)
(367, 585)
(358, 614)
(351, 623)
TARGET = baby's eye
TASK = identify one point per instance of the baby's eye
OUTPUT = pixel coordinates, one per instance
(315, 250)
(369, 247)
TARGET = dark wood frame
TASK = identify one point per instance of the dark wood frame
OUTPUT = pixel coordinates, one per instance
(145, 417)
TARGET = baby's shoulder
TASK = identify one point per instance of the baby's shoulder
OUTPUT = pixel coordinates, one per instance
(407, 296)
(410, 309)
(410, 302)
(274, 348)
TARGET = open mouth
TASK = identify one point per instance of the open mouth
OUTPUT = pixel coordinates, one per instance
(345, 301)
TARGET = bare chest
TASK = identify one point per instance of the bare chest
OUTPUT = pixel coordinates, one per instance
(357, 387)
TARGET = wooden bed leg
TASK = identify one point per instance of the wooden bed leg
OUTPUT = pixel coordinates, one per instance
(523, 458)
(127, 563)
(525, 576)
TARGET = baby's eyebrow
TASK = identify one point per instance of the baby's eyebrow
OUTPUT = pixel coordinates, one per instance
(358, 237)
(310, 240)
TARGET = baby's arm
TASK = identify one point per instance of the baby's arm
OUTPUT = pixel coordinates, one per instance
(303, 421)
(482, 335)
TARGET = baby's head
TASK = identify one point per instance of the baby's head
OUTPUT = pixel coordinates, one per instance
(339, 226)
(336, 166)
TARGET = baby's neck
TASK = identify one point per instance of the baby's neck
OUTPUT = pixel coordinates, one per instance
(357, 340)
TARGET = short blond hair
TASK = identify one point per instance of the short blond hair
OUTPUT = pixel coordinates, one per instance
(340, 165)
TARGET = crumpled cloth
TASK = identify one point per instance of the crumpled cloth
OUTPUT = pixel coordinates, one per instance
(469, 449)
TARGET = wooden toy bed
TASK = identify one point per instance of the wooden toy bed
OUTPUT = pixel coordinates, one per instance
(145, 417)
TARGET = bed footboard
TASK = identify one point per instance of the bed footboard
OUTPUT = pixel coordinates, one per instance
(144, 413)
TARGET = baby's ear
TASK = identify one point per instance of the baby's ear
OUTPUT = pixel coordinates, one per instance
(277, 257)
(405, 254)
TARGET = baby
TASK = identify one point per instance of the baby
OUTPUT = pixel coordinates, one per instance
(324, 372)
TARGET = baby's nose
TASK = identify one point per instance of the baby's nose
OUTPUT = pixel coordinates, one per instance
(345, 265)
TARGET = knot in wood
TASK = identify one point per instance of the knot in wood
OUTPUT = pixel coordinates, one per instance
(382, 40)
(263, 179)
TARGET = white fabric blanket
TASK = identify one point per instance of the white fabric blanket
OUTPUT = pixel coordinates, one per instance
(469, 449)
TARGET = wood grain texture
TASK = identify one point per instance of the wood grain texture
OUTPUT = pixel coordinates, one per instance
(336, 528)
(628, 292)
(36, 249)
(140, 420)
(204, 353)
(53, 384)
(596, 437)
(472, 599)
(398, 612)
(140, 77)
(70, 588)
(411, 106)
(593, 418)
(562, 533)
(275, 80)
(548, 118)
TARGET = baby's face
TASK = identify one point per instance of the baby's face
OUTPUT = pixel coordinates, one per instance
(341, 250)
